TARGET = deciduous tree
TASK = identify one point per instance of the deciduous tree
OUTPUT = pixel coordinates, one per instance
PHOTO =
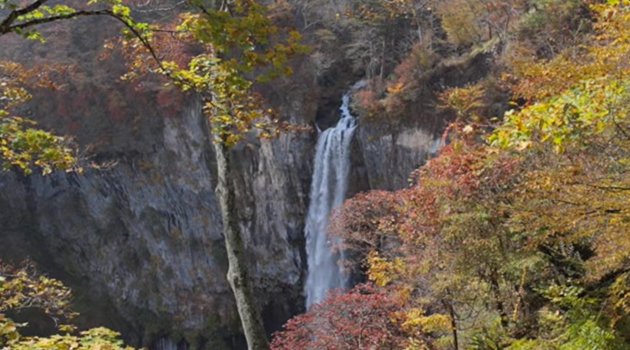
(363, 318)
(241, 46)
(22, 289)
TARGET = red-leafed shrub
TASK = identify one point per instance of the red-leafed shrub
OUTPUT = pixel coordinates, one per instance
(358, 319)
(367, 101)
(364, 221)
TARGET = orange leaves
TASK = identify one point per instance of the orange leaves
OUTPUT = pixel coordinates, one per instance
(573, 102)
(365, 219)
(16, 79)
(484, 231)
(607, 55)
(171, 44)
(441, 239)
(367, 100)
(218, 53)
(576, 199)
(239, 40)
(395, 88)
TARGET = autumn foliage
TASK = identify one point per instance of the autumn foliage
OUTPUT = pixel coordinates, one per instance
(516, 236)
(23, 146)
(362, 318)
(24, 289)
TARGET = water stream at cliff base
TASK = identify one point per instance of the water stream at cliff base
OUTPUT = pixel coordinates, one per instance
(328, 190)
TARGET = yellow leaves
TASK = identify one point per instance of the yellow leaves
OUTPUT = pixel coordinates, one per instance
(25, 148)
(484, 236)
(22, 288)
(22, 145)
(12, 78)
(464, 101)
(244, 34)
(381, 271)
(93, 339)
(576, 198)
(121, 10)
(461, 19)
(620, 297)
(594, 107)
(242, 46)
(605, 57)
(8, 329)
(415, 321)
(395, 88)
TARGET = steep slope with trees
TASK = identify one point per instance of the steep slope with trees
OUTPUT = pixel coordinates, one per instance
(515, 236)
(139, 236)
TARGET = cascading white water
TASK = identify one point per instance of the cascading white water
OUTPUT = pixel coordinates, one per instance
(328, 190)
(166, 344)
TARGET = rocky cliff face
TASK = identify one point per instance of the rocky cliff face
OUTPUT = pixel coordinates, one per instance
(143, 236)
(144, 232)
(139, 238)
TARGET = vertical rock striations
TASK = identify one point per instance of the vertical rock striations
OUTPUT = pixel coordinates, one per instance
(143, 236)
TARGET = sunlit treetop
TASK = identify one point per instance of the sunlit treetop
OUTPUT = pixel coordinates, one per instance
(571, 100)
(240, 46)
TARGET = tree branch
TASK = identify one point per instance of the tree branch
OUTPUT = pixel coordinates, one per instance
(32, 23)
(6, 24)
(143, 39)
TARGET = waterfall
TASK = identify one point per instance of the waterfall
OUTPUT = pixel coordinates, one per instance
(166, 344)
(328, 190)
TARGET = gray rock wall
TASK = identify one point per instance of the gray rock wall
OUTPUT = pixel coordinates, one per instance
(143, 235)
(145, 232)
(139, 240)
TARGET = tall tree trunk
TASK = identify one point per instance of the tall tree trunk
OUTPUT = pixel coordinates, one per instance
(237, 274)
(451, 312)
(496, 291)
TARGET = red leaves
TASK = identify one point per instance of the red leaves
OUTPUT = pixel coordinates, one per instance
(463, 172)
(359, 319)
(365, 219)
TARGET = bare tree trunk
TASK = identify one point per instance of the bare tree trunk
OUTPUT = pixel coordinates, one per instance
(237, 274)
(496, 291)
(451, 312)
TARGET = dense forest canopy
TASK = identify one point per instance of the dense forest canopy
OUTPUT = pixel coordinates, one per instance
(515, 236)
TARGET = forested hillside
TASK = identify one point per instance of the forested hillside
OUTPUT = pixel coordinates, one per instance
(201, 172)
(516, 236)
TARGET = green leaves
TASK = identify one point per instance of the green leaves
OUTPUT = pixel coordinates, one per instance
(22, 145)
(586, 111)
(24, 288)
(39, 14)
(246, 48)
(121, 10)
(26, 148)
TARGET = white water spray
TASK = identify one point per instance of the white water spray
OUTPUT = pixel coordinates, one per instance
(328, 191)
